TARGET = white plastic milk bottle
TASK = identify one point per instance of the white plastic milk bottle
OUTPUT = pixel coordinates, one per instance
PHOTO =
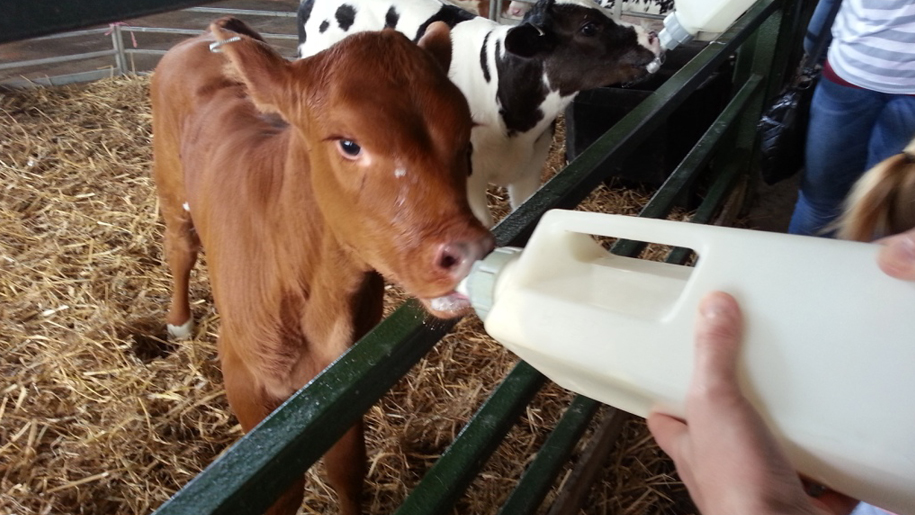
(704, 19)
(828, 353)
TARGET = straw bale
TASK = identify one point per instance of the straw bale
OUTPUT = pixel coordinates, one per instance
(100, 414)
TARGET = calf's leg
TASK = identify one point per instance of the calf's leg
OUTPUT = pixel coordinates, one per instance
(346, 464)
(522, 189)
(528, 184)
(251, 404)
(476, 197)
(181, 242)
(181, 246)
(345, 461)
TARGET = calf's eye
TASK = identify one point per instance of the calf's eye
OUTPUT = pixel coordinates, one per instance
(589, 29)
(349, 148)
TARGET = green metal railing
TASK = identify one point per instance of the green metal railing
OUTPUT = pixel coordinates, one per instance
(253, 472)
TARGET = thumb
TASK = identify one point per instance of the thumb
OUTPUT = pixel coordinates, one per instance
(668, 432)
(897, 257)
(718, 332)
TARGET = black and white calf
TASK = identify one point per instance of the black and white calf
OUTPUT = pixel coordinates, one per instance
(516, 79)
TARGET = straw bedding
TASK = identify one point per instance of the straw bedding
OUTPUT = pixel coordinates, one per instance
(99, 414)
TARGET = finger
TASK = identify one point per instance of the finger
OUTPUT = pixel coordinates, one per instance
(897, 257)
(668, 432)
(718, 332)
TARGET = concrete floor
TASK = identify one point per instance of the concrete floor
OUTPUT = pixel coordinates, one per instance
(772, 206)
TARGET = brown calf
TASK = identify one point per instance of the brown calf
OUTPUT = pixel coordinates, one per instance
(303, 181)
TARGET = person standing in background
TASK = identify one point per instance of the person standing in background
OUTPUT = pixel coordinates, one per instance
(863, 109)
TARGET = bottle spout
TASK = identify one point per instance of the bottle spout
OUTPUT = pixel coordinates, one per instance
(463, 287)
(673, 34)
(480, 284)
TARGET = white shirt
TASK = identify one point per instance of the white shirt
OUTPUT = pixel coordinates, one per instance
(874, 45)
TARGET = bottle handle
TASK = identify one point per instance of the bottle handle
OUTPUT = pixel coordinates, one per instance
(666, 232)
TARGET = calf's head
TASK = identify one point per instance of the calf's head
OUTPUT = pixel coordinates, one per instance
(582, 47)
(387, 138)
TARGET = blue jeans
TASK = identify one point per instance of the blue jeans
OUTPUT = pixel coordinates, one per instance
(850, 131)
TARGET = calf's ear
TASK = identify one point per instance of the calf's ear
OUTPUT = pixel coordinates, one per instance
(437, 41)
(265, 73)
(527, 40)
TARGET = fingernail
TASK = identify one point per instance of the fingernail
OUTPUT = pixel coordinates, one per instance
(713, 307)
(899, 256)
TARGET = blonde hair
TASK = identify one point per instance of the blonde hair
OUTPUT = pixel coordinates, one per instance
(882, 201)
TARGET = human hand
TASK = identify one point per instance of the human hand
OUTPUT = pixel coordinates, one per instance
(897, 257)
(725, 454)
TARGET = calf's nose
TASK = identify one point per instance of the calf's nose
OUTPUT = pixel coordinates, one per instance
(456, 258)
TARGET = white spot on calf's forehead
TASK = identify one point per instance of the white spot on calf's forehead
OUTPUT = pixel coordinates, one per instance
(186, 206)
(400, 172)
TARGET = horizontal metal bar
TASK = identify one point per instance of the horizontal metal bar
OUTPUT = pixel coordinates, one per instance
(713, 201)
(190, 32)
(144, 51)
(287, 37)
(102, 53)
(74, 33)
(650, 16)
(454, 471)
(57, 59)
(195, 32)
(698, 157)
(59, 80)
(162, 30)
(679, 256)
(241, 12)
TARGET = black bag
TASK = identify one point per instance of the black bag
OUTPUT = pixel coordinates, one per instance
(783, 131)
(782, 128)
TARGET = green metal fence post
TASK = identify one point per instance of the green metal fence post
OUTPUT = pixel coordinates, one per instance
(453, 472)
